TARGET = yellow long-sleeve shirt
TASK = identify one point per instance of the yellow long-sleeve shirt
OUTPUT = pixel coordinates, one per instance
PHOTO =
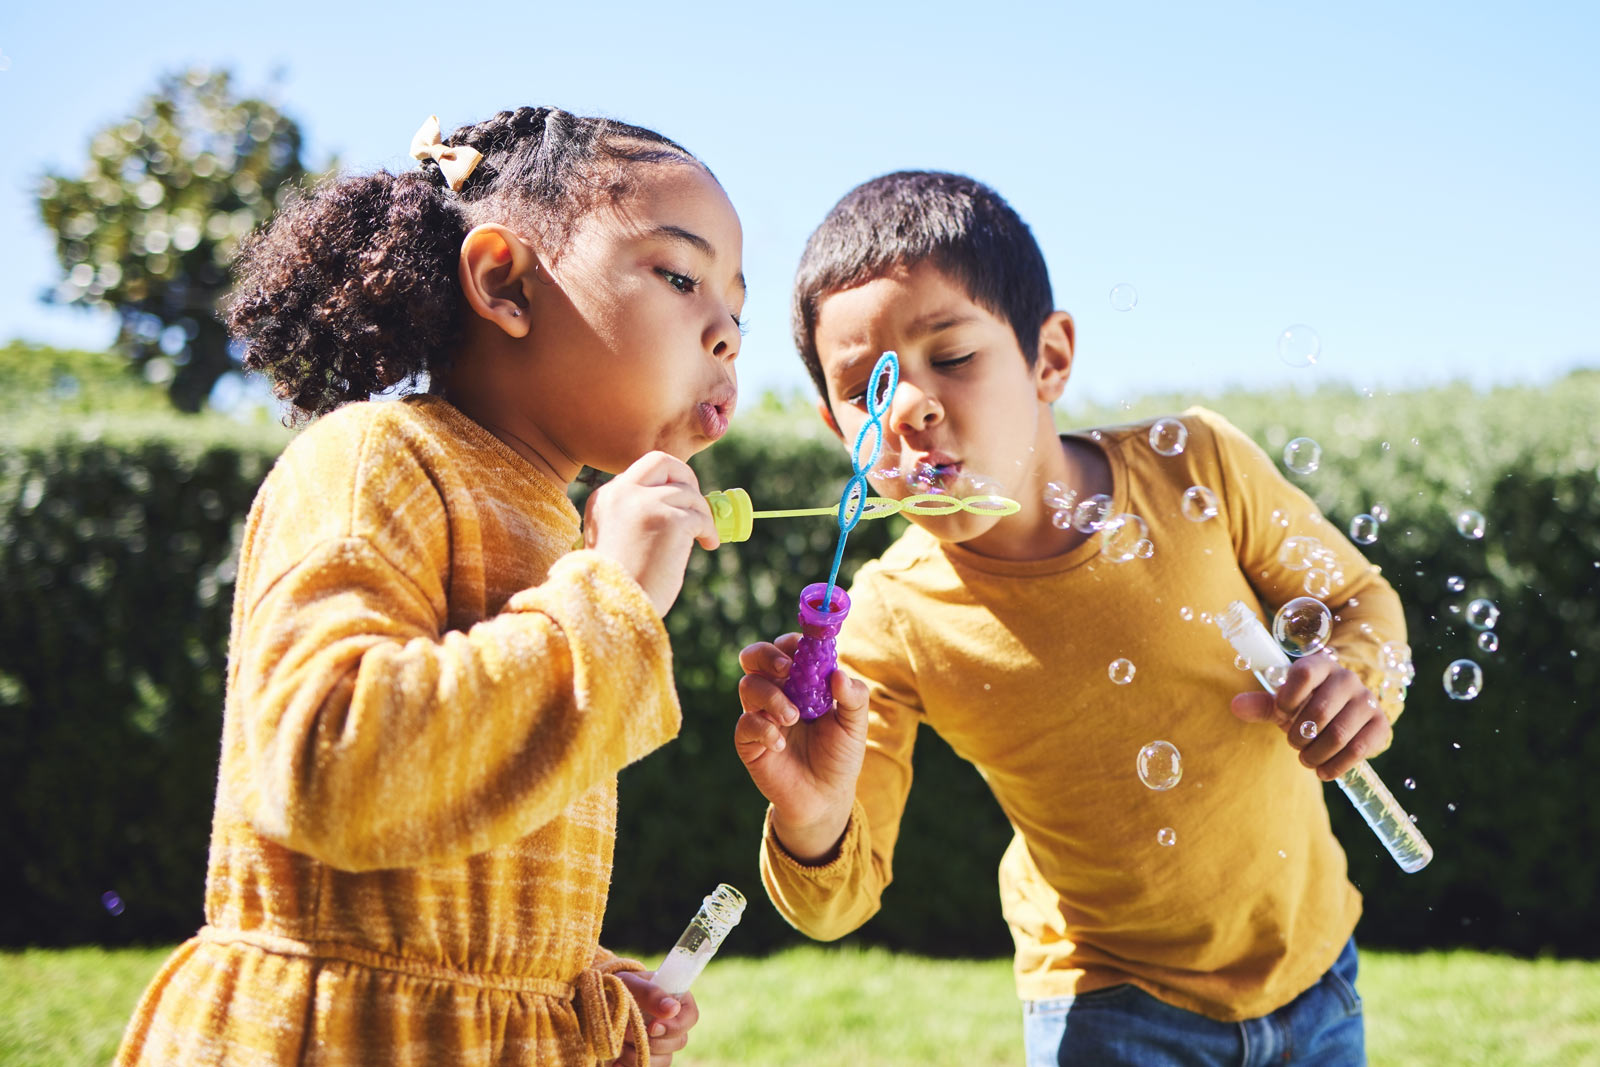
(429, 698)
(1009, 661)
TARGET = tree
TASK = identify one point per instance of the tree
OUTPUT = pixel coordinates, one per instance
(151, 227)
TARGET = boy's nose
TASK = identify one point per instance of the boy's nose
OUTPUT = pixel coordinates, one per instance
(913, 409)
(722, 338)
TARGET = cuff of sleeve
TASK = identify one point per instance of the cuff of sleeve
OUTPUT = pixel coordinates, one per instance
(608, 962)
(830, 874)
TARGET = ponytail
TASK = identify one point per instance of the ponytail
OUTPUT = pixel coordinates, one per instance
(350, 290)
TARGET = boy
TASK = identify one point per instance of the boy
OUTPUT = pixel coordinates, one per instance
(1206, 923)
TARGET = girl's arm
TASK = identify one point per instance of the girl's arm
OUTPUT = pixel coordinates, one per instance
(373, 740)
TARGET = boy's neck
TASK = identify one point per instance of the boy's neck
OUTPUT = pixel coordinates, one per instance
(1031, 533)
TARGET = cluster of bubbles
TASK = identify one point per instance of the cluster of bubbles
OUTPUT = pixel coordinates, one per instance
(1123, 536)
(1314, 561)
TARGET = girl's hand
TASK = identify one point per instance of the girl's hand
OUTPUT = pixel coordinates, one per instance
(667, 1018)
(808, 770)
(1349, 724)
(648, 518)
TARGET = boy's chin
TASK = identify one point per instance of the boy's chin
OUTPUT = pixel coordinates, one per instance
(954, 529)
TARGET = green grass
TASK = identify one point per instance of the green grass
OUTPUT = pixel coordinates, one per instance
(814, 1005)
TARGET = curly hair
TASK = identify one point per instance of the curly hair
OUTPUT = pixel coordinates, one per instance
(351, 288)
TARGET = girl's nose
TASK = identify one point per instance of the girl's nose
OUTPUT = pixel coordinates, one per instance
(722, 337)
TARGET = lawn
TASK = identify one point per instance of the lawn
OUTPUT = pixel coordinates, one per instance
(814, 1005)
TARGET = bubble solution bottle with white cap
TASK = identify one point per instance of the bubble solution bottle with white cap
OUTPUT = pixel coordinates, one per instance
(718, 914)
(1360, 783)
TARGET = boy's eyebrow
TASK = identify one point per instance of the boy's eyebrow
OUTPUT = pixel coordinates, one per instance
(695, 241)
(935, 321)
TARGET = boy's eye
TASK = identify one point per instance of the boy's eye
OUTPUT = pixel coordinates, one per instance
(953, 361)
(681, 282)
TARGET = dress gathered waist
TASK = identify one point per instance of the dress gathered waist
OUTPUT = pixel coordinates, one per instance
(607, 1013)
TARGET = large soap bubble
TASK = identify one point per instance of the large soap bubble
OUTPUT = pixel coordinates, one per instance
(1302, 626)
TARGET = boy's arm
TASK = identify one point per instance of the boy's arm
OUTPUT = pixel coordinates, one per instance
(1352, 695)
(838, 785)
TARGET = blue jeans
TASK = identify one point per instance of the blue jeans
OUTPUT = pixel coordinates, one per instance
(1124, 1025)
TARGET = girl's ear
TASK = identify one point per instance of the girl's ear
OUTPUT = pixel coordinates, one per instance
(1054, 365)
(496, 269)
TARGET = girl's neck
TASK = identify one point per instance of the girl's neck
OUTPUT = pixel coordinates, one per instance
(519, 436)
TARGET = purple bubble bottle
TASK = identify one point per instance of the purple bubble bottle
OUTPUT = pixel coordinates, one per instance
(816, 657)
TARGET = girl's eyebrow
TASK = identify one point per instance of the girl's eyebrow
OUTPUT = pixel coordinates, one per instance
(693, 240)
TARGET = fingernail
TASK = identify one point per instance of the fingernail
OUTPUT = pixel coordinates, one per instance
(782, 663)
(669, 1004)
(777, 746)
(656, 1030)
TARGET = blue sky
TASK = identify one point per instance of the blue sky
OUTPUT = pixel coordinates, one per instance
(1416, 182)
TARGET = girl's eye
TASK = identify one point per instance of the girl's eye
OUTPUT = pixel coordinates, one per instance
(681, 282)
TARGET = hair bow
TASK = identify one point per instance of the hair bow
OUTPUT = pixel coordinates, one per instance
(455, 161)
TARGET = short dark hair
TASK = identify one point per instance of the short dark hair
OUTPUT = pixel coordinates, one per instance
(961, 226)
(352, 287)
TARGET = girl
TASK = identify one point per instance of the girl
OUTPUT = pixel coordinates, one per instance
(429, 694)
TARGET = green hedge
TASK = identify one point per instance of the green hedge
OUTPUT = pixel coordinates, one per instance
(115, 554)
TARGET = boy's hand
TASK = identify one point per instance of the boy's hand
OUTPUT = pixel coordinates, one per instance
(667, 1018)
(808, 770)
(648, 518)
(1350, 725)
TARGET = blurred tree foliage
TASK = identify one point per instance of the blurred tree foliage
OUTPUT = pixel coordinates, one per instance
(150, 227)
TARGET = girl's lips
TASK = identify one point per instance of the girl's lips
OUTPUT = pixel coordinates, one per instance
(713, 420)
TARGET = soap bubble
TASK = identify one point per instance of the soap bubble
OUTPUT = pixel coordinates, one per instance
(1121, 671)
(1299, 346)
(1302, 455)
(1160, 766)
(1308, 730)
(1394, 655)
(1317, 582)
(1120, 537)
(1091, 514)
(1469, 524)
(1124, 296)
(1489, 641)
(112, 902)
(1241, 662)
(1060, 496)
(1454, 583)
(1061, 520)
(1168, 436)
(1463, 680)
(1380, 512)
(1186, 613)
(1482, 614)
(1411, 783)
(1275, 676)
(1298, 553)
(1302, 626)
(1363, 529)
(1166, 836)
(1199, 504)
(1145, 548)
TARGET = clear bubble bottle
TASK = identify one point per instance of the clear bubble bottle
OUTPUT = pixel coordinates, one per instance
(817, 654)
(1360, 783)
(719, 913)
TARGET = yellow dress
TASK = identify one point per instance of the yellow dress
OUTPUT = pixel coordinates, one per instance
(429, 699)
